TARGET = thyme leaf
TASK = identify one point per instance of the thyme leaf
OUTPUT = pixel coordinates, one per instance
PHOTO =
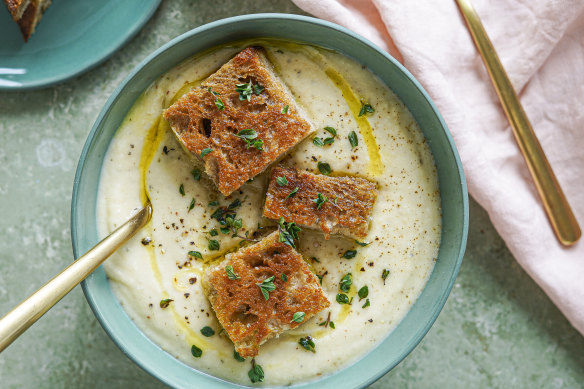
(231, 273)
(267, 286)
(307, 343)
(298, 317)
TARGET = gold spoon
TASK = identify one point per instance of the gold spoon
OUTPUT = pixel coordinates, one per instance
(30, 310)
(556, 206)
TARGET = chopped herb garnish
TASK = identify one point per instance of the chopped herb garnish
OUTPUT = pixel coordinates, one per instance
(288, 232)
(245, 91)
(238, 357)
(213, 203)
(292, 193)
(181, 189)
(320, 200)
(324, 168)
(346, 282)
(164, 303)
(282, 181)
(230, 273)
(349, 254)
(363, 292)
(331, 131)
(298, 317)
(332, 324)
(234, 224)
(317, 141)
(257, 89)
(267, 286)
(192, 204)
(256, 373)
(234, 204)
(284, 277)
(219, 104)
(285, 109)
(207, 331)
(197, 352)
(249, 137)
(329, 141)
(315, 259)
(195, 254)
(205, 152)
(335, 200)
(366, 108)
(213, 245)
(384, 275)
(218, 101)
(367, 303)
(196, 174)
(225, 230)
(320, 277)
(326, 322)
(342, 298)
(353, 139)
(307, 343)
(362, 244)
(213, 232)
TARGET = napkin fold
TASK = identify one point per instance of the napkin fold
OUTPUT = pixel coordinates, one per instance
(541, 45)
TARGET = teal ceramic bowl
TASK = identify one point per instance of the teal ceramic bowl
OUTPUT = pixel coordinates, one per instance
(418, 321)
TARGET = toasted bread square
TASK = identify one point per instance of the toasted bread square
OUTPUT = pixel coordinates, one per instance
(346, 210)
(27, 14)
(247, 317)
(200, 122)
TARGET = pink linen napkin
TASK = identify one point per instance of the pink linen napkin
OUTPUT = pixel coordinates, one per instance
(541, 45)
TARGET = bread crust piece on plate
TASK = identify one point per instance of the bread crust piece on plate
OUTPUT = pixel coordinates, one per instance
(241, 308)
(211, 115)
(345, 206)
(27, 13)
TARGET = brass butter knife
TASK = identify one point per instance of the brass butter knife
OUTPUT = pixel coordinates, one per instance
(556, 206)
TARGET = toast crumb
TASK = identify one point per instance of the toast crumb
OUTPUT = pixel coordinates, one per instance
(241, 308)
(211, 115)
(345, 206)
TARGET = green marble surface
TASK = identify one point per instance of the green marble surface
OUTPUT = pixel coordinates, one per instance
(498, 329)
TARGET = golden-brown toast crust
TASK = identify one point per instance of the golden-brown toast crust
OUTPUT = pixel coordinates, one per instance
(27, 21)
(200, 124)
(16, 8)
(247, 317)
(349, 215)
(27, 14)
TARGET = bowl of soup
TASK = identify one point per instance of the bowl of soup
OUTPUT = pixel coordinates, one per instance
(370, 118)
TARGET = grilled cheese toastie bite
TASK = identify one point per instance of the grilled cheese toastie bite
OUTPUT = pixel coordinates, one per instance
(239, 120)
(261, 291)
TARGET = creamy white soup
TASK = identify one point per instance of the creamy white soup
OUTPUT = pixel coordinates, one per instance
(167, 258)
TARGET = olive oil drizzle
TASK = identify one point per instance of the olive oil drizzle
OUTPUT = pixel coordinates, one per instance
(152, 142)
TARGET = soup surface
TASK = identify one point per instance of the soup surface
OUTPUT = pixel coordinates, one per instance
(162, 262)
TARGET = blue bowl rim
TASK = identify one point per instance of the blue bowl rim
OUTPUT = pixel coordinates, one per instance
(285, 17)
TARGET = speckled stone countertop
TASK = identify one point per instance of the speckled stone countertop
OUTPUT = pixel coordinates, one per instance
(498, 329)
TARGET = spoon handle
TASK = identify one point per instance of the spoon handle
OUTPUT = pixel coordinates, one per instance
(30, 310)
(556, 206)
